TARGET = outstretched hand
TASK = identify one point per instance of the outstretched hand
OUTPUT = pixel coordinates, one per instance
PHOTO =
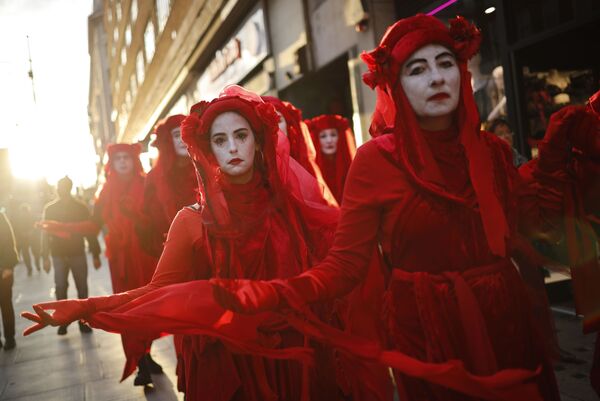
(245, 296)
(65, 312)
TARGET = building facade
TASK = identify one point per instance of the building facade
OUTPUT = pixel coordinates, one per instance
(100, 104)
(165, 55)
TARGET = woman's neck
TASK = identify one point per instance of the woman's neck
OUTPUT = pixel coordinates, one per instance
(440, 123)
(242, 178)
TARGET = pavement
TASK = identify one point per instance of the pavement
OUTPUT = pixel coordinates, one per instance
(75, 367)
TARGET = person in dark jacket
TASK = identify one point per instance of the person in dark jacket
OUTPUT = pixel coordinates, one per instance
(8, 260)
(68, 252)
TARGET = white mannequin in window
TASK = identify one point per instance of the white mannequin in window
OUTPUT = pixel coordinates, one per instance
(500, 98)
(557, 79)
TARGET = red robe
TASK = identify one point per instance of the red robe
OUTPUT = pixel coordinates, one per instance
(130, 266)
(266, 245)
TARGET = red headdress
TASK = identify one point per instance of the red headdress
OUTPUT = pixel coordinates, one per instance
(301, 146)
(394, 114)
(134, 150)
(335, 169)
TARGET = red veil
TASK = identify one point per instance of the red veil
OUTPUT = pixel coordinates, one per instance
(175, 185)
(336, 168)
(301, 146)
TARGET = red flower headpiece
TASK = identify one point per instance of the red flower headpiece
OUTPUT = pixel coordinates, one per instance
(408, 35)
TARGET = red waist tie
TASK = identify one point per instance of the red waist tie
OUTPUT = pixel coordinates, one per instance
(478, 344)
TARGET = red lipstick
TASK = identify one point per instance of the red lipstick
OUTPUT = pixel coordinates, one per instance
(235, 161)
(439, 96)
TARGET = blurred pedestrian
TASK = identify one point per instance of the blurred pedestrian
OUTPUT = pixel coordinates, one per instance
(22, 222)
(68, 251)
(8, 260)
(502, 130)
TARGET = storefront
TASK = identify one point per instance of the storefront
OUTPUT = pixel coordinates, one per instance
(531, 61)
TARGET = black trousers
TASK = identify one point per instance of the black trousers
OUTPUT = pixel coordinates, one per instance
(6, 306)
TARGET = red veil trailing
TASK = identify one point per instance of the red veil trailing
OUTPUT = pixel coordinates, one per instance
(130, 266)
(335, 168)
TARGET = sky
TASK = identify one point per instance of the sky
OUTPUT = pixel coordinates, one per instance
(50, 138)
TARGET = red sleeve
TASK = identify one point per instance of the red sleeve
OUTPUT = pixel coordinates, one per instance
(355, 239)
(175, 264)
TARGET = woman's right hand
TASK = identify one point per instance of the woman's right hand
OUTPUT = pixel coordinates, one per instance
(245, 296)
(65, 312)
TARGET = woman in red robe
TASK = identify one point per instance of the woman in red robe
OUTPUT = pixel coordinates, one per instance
(334, 143)
(169, 186)
(261, 216)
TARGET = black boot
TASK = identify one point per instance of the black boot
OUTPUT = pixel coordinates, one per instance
(142, 378)
(153, 366)
(10, 344)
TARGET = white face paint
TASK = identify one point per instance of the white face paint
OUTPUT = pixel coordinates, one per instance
(178, 144)
(122, 163)
(233, 144)
(431, 81)
(328, 138)
(282, 123)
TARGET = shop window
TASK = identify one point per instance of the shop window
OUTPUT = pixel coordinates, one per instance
(547, 91)
(485, 67)
(134, 11)
(149, 41)
(535, 16)
(140, 67)
(163, 8)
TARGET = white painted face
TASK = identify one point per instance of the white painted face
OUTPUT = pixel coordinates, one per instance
(282, 124)
(233, 144)
(178, 144)
(328, 138)
(431, 81)
(122, 163)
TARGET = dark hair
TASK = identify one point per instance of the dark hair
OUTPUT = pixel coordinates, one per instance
(495, 123)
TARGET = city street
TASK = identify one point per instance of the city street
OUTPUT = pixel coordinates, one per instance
(45, 366)
(74, 367)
